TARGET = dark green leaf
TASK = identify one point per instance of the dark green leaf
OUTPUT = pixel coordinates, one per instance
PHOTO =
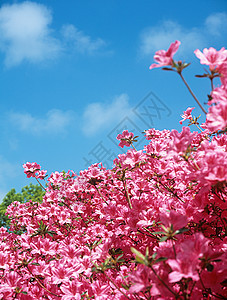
(209, 268)
(164, 238)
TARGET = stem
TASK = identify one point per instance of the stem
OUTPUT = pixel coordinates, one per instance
(163, 282)
(151, 234)
(198, 127)
(133, 147)
(42, 284)
(127, 195)
(116, 286)
(194, 283)
(40, 184)
(191, 92)
(82, 219)
(195, 167)
(174, 250)
(166, 188)
(169, 190)
(100, 195)
(212, 83)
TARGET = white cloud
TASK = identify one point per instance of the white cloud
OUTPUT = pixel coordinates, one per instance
(216, 23)
(81, 42)
(162, 35)
(98, 115)
(55, 122)
(25, 34)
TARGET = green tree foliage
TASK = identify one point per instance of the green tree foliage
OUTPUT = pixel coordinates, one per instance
(30, 192)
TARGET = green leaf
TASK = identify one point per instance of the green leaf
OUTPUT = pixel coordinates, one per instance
(139, 260)
(182, 230)
(164, 238)
(154, 255)
(158, 232)
(125, 287)
(137, 253)
(147, 252)
(161, 259)
(217, 260)
(119, 257)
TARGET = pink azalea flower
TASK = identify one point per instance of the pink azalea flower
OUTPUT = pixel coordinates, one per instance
(165, 58)
(100, 290)
(13, 279)
(31, 168)
(180, 140)
(183, 267)
(217, 113)
(34, 170)
(175, 219)
(141, 279)
(71, 291)
(222, 69)
(125, 138)
(217, 117)
(4, 261)
(211, 57)
(61, 273)
(41, 174)
(187, 114)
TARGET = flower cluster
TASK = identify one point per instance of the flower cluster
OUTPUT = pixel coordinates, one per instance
(126, 138)
(34, 170)
(153, 227)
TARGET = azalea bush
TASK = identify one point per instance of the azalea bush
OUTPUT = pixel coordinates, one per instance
(153, 227)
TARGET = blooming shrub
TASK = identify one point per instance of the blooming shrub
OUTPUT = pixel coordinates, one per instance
(153, 227)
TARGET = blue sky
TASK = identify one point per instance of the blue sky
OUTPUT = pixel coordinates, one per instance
(73, 74)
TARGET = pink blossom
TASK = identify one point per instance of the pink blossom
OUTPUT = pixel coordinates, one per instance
(212, 57)
(222, 69)
(71, 291)
(61, 272)
(125, 138)
(34, 170)
(217, 117)
(174, 219)
(100, 290)
(31, 168)
(182, 267)
(4, 261)
(41, 174)
(187, 114)
(140, 278)
(217, 112)
(165, 58)
(41, 246)
(13, 279)
(180, 140)
(56, 178)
